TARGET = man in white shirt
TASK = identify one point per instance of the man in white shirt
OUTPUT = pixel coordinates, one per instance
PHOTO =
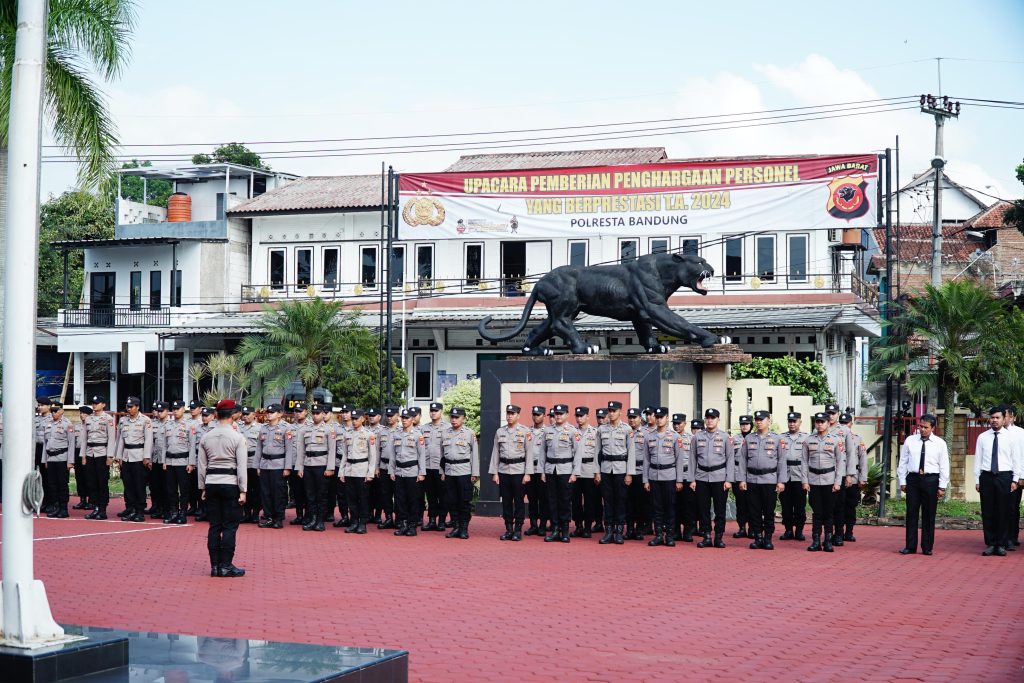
(997, 466)
(924, 475)
(1010, 420)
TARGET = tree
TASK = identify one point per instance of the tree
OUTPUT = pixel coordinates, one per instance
(465, 394)
(1015, 214)
(156, 190)
(932, 343)
(229, 375)
(75, 215)
(803, 377)
(232, 153)
(997, 372)
(362, 388)
(300, 339)
(84, 37)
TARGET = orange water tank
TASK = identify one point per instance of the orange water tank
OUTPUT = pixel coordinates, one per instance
(179, 208)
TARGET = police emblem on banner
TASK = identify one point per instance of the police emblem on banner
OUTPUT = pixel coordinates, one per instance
(847, 198)
(423, 210)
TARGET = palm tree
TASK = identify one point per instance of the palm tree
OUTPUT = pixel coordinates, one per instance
(299, 339)
(932, 343)
(83, 37)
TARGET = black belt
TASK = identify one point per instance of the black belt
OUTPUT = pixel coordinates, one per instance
(794, 463)
(385, 461)
(669, 466)
(815, 470)
(587, 460)
(353, 461)
(95, 445)
(311, 454)
(221, 470)
(56, 452)
(614, 458)
(557, 461)
(456, 462)
(272, 456)
(175, 456)
(511, 461)
(252, 453)
(713, 468)
(758, 471)
(408, 463)
(133, 446)
(925, 474)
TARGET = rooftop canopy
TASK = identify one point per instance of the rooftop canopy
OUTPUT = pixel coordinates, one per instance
(199, 172)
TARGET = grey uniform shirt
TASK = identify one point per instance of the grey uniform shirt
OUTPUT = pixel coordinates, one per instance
(824, 461)
(361, 449)
(461, 453)
(134, 439)
(665, 456)
(410, 454)
(615, 450)
(251, 432)
(432, 442)
(588, 466)
(559, 454)
(737, 448)
(711, 456)
(316, 446)
(761, 460)
(180, 439)
(99, 436)
(275, 447)
(384, 437)
(42, 425)
(513, 451)
(639, 438)
(857, 458)
(223, 448)
(849, 447)
(537, 446)
(60, 442)
(791, 449)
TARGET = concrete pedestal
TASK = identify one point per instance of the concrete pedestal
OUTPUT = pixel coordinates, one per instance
(104, 653)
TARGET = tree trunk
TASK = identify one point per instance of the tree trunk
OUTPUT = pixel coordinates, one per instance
(3, 240)
(957, 459)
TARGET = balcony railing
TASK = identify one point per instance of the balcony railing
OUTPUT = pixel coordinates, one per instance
(116, 316)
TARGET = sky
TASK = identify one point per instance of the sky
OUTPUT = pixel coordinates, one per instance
(261, 72)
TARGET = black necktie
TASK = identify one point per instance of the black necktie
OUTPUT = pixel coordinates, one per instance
(920, 467)
(995, 453)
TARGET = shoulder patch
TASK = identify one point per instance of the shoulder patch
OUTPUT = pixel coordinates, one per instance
(373, 440)
(422, 441)
(529, 436)
(578, 437)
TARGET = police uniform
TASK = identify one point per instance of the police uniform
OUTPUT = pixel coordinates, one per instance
(338, 497)
(97, 448)
(297, 487)
(275, 454)
(584, 489)
(511, 462)
(856, 467)
(739, 495)
(638, 501)
(194, 417)
(407, 469)
(559, 459)
(824, 465)
(686, 499)
(849, 448)
(793, 498)
(59, 458)
(696, 425)
(83, 489)
(763, 468)
(712, 463)
(251, 432)
(179, 438)
(315, 457)
(617, 456)
(536, 490)
(433, 488)
(358, 468)
(663, 472)
(203, 426)
(460, 458)
(223, 474)
(43, 423)
(155, 478)
(382, 488)
(134, 454)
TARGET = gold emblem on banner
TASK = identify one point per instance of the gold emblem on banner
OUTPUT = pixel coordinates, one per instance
(423, 210)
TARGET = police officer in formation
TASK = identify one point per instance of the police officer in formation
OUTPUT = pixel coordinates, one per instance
(460, 460)
(686, 499)
(857, 473)
(407, 470)
(179, 439)
(296, 487)
(617, 456)
(155, 476)
(335, 489)
(250, 429)
(58, 458)
(638, 500)
(664, 471)
(42, 426)
(536, 489)
(274, 459)
(849, 487)
(134, 454)
(511, 467)
(97, 452)
(383, 489)
(584, 491)
(358, 467)
(740, 495)
(559, 460)
(712, 463)
(763, 476)
(433, 488)
(793, 497)
(223, 469)
(315, 462)
(824, 468)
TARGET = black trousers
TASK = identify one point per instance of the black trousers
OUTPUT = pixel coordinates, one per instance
(686, 507)
(57, 479)
(823, 504)
(176, 478)
(839, 509)
(298, 492)
(742, 505)
(82, 488)
(761, 506)
(613, 492)
(512, 491)
(460, 496)
(316, 490)
(851, 499)
(133, 476)
(225, 513)
(537, 497)
(794, 505)
(585, 498)
(638, 503)
(433, 488)
(194, 498)
(559, 498)
(157, 486)
(340, 495)
(383, 490)
(663, 493)
(253, 499)
(408, 497)
(99, 482)
(273, 494)
(996, 501)
(1015, 499)
(357, 491)
(47, 502)
(922, 499)
(708, 494)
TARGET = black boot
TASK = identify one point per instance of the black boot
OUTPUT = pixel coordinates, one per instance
(837, 538)
(757, 543)
(400, 530)
(62, 513)
(507, 536)
(101, 513)
(768, 545)
(707, 542)
(577, 530)
(719, 543)
(619, 540)
(687, 534)
(848, 536)
(351, 529)
(587, 531)
(815, 545)
(517, 530)
(827, 544)
(787, 535)
(532, 530)
(361, 527)
(670, 539)
(609, 535)
(598, 527)
(454, 533)
(214, 568)
(553, 535)
(318, 522)
(742, 533)
(564, 537)
(798, 533)
(388, 523)
(659, 538)
(410, 529)
(464, 530)
(431, 524)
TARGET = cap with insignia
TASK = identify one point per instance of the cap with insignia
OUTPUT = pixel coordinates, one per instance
(696, 424)
(192, 405)
(246, 410)
(85, 410)
(512, 409)
(551, 413)
(678, 418)
(458, 412)
(832, 408)
(207, 411)
(274, 408)
(792, 417)
(746, 420)
(582, 410)
(633, 412)
(133, 401)
(648, 410)
(177, 403)
(320, 408)
(537, 410)
(359, 412)
(56, 405)
(821, 417)
(761, 414)
(416, 411)
(437, 406)
(98, 398)
(614, 405)
(391, 410)
(299, 406)
(560, 408)
(406, 414)
(711, 412)
(661, 411)
(601, 412)
(845, 418)
(346, 408)
(43, 400)
(160, 406)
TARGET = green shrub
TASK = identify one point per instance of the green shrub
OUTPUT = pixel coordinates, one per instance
(803, 377)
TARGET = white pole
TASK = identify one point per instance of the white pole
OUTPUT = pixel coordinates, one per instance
(26, 612)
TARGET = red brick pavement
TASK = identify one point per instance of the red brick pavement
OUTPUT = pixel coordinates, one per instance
(484, 610)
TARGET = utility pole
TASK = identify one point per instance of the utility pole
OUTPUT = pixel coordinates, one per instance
(941, 108)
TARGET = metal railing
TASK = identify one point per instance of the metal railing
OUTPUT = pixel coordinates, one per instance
(116, 316)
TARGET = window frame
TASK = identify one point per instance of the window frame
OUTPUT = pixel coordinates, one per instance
(309, 278)
(420, 248)
(325, 283)
(156, 294)
(652, 240)
(636, 248)
(416, 396)
(176, 280)
(375, 249)
(401, 270)
(726, 240)
(682, 244)
(789, 256)
(135, 290)
(586, 251)
(467, 280)
(758, 239)
(284, 268)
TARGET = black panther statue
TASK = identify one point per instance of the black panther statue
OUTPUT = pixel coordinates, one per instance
(636, 291)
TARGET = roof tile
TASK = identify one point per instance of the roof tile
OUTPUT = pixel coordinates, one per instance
(517, 161)
(317, 193)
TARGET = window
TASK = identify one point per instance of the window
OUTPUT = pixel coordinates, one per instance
(628, 250)
(659, 245)
(474, 264)
(422, 376)
(578, 253)
(303, 267)
(733, 259)
(175, 288)
(368, 266)
(765, 245)
(330, 279)
(136, 289)
(690, 245)
(396, 268)
(424, 265)
(277, 268)
(798, 258)
(155, 282)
